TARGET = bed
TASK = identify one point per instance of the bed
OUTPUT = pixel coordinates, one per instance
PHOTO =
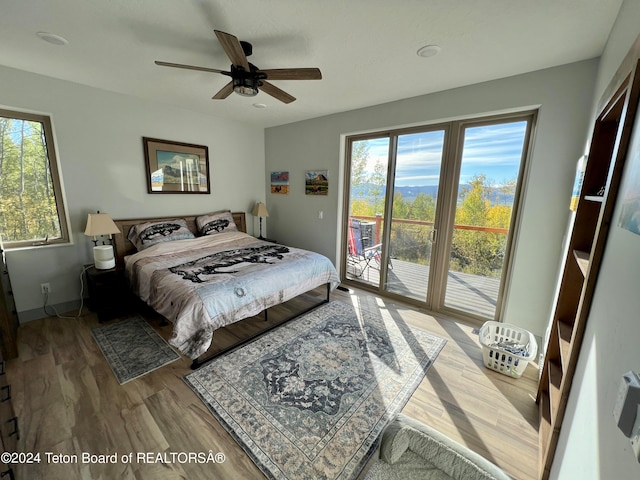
(204, 282)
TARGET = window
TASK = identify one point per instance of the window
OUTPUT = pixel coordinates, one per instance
(31, 208)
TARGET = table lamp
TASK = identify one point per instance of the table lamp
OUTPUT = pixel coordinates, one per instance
(99, 224)
(260, 210)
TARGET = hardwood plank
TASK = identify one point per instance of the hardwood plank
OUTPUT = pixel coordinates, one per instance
(63, 340)
(159, 471)
(44, 426)
(49, 470)
(41, 387)
(187, 431)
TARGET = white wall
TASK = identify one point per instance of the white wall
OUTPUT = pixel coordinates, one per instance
(99, 143)
(590, 445)
(564, 95)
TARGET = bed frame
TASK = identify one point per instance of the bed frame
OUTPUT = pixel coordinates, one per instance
(124, 247)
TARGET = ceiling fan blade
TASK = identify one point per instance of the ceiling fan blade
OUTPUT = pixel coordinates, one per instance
(224, 92)
(188, 67)
(233, 49)
(293, 74)
(275, 92)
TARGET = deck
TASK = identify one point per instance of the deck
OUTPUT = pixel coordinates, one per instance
(474, 294)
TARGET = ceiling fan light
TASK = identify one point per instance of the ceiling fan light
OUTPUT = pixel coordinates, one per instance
(245, 91)
(247, 87)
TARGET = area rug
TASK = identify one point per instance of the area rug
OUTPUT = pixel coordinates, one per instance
(133, 348)
(310, 399)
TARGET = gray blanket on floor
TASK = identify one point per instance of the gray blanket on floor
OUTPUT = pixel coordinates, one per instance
(412, 450)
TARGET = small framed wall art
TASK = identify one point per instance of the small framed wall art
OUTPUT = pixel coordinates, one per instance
(316, 182)
(175, 167)
(280, 182)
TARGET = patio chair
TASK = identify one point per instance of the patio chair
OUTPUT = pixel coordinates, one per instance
(358, 255)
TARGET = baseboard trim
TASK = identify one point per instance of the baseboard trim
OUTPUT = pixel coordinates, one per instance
(38, 313)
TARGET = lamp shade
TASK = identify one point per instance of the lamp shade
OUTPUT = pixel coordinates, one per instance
(260, 210)
(100, 224)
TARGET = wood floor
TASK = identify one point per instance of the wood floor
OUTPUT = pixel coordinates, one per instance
(68, 402)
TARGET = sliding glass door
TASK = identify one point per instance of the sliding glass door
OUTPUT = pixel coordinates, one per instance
(430, 212)
(416, 183)
(485, 192)
(369, 164)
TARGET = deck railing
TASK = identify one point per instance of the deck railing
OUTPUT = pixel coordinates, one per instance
(378, 219)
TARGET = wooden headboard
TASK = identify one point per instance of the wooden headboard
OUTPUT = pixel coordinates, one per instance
(124, 247)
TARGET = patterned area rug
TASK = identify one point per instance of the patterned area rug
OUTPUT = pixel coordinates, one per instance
(133, 348)
(310, 399)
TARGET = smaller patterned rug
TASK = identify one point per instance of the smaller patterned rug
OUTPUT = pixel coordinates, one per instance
(133, 348)
(310, 399)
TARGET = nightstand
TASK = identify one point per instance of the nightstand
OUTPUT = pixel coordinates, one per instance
(109, 294)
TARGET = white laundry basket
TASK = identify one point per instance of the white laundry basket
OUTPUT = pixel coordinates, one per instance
(496, 358)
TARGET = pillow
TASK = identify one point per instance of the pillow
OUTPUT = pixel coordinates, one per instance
(216, 222)
(144, 235)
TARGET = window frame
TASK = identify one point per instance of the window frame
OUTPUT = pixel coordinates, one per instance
(56, 181)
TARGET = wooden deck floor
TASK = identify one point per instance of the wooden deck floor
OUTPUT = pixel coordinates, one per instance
(68, 401)
(471, 293)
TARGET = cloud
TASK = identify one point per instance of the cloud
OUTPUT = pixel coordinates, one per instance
(494, 150)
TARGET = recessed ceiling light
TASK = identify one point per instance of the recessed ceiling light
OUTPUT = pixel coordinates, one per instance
(429, 51)
(259, 105)
(52, 38)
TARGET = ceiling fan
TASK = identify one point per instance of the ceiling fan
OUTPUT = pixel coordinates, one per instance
(246, 78)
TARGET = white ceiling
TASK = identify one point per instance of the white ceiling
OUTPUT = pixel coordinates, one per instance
(366, 49)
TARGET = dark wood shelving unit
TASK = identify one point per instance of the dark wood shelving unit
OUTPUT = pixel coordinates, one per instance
(587, 240)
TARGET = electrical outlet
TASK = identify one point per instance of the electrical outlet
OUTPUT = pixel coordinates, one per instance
(45, 288)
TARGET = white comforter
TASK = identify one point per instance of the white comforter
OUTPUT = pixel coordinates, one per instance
(205, 283)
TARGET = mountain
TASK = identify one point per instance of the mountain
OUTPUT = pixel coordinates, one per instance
(320, 178)
(368, 191)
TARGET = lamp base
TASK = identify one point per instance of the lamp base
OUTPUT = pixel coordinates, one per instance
(105, 264)
(103, 257)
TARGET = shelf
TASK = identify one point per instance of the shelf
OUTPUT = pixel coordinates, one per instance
(583, 260)
(555, 381)
(545, 424)
(594, 198)
(564, 335)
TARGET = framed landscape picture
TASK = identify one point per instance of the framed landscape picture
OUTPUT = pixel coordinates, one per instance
(280, 182)
(175, 167)
(316, 182)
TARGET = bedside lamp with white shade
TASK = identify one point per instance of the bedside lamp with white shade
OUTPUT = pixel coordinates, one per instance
(260, 210)
(99, 224)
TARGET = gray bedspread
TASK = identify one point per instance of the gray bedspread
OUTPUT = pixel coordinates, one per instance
(205, 283)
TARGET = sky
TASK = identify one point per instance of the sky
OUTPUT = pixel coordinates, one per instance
(493, 150)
